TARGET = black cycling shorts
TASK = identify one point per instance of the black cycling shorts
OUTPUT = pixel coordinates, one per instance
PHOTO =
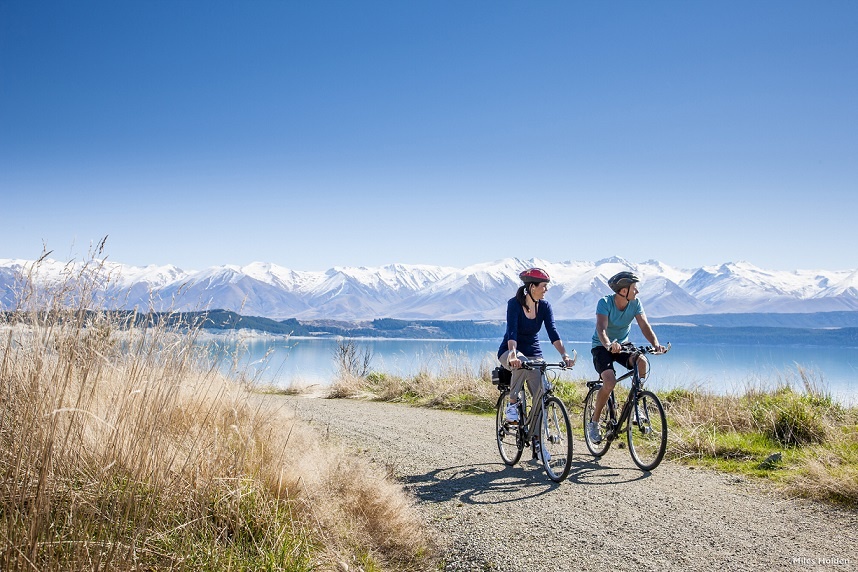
(603, 359)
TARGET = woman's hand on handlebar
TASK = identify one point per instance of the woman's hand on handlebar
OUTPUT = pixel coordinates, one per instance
(514, 362)
(570, 360)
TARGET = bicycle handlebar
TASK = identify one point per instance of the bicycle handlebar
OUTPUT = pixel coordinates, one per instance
(540, 363)
(646, 349)
(653, 351)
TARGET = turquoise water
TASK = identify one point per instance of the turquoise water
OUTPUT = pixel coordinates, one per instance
(720, 368)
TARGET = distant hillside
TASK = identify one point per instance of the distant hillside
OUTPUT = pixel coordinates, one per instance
(750, 335)
(768, 320)
(829, 328)
(381, 328)
(730, 331)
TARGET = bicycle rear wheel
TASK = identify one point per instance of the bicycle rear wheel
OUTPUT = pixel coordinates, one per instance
(556, 440)
(647, 431)
(600, 448)
(508, 437)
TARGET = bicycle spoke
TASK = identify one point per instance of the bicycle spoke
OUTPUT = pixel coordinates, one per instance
(647, 431)
(507, 434)
(556, 442)
(597, 449)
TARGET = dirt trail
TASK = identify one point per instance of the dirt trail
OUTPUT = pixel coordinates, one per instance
(607, 515)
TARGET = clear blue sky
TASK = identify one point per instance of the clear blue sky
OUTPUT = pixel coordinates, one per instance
(314, 134)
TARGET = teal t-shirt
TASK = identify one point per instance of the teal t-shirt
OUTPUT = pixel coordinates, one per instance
(619, 321)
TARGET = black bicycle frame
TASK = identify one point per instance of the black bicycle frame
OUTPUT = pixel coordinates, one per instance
(617, 424)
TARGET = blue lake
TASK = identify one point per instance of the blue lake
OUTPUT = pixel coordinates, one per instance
(721, 368)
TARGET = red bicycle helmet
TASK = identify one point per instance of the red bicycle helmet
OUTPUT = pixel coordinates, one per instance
(534, 275)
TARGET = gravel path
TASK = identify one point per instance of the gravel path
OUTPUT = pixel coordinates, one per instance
(608, 515)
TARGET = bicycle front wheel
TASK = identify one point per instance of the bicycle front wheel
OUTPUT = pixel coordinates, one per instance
(647, 431)
(600, 448)
(509, 440)
(556, 440)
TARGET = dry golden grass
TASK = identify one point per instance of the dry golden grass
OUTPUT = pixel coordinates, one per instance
(793, 434)
(125, 448)
(448, 381)
(455, 385)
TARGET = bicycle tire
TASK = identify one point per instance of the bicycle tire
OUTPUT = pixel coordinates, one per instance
(556, 440)
(510, 445)
(647, 431)
(597, 449)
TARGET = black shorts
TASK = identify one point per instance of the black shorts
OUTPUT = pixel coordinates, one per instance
(603, 359)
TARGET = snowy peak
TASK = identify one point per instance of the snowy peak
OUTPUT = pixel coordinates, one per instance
(848, 286)
(478, 291)
(615, 260)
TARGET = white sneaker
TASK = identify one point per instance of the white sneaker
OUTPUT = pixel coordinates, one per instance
(512, 413)
(593, 432)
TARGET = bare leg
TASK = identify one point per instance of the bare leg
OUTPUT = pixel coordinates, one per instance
(609, 380)
(643, 366)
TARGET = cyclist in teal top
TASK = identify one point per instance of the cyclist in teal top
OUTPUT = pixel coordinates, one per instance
(614, 315)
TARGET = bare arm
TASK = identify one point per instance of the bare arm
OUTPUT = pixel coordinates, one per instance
(567, 359)
(513, 360)
(602, 332)
(648, 332)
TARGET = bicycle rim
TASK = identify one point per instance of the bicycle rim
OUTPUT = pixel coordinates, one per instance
(509, 442)
(647, 431)
(556, 440)
(597, 449)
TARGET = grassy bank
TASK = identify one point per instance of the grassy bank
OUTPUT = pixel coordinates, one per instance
(125, 448)
(792, 434)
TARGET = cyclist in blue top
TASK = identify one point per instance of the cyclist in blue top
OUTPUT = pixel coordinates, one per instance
(525, 315)
(614, 315)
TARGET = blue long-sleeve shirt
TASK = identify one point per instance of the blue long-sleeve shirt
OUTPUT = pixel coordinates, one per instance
(526, 331)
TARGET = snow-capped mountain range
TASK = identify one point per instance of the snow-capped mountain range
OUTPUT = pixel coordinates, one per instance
(478, 292)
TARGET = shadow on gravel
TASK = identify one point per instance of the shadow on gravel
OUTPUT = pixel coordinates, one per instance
(488, 483)
(600, 472)
(491, 483)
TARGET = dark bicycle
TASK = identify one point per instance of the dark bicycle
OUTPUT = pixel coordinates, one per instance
(554, 443)
(642, 417)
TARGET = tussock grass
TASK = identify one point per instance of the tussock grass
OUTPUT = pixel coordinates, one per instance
(792, 433)
(125, 448)
(453, 383)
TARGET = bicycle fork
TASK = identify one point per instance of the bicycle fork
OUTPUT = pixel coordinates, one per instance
(641, 418)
